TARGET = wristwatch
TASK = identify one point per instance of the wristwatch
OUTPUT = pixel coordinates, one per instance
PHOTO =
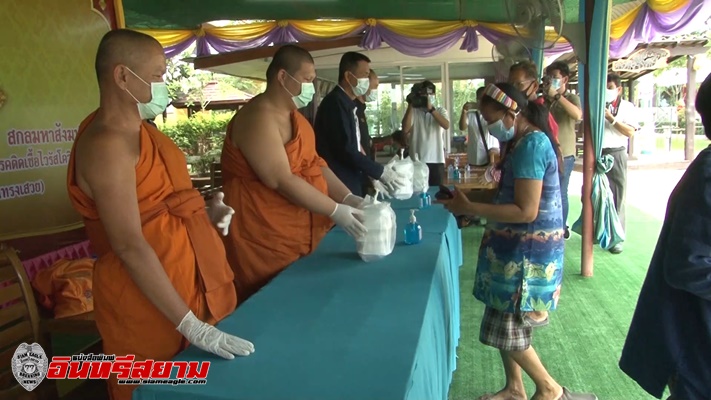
(431, 110)
(556, 97)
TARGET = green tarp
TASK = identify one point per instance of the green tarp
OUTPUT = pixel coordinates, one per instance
(171, 14)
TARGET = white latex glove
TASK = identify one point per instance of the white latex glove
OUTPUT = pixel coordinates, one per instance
(352, 200)
(391, 179)
(213, 340)
(347, 218)
(220, 213)
(381, 189)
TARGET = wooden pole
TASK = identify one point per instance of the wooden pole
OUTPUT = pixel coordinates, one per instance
(690, 109)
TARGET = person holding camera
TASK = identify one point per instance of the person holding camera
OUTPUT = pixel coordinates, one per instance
(338, 131)
(524, 76)
(564, 106)
(425, 125)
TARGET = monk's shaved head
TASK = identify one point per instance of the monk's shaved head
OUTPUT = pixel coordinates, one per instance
(122, 46)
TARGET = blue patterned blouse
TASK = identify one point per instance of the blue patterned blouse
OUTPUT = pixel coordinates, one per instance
(520, 266)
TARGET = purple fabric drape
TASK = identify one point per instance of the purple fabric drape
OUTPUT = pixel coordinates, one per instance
(649, 25)
(280, 35)
(175, 50)
(377, 34)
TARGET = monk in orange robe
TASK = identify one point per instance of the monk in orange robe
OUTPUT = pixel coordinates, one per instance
(284, 195)
(161, 263)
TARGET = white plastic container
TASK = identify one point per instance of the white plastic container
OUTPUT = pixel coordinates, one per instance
(420, 176)
(405, 168)
(379, 220)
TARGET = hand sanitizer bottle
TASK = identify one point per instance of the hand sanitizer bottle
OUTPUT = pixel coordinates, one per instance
(413, 230)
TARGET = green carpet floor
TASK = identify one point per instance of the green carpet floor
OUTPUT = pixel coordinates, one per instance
(582, 345)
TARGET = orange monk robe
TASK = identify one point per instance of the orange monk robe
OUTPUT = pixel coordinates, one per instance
(268, 232)
(175, 224)
(65, 287)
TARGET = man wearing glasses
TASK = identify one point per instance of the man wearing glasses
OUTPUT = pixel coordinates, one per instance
(524, 76)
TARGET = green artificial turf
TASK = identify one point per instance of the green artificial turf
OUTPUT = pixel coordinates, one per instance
(582, 345)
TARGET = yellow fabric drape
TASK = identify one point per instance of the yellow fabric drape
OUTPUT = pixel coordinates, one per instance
(118, 10)
(243, 32)
(619, 26)
(420, 29)
(666, 6)
(327, 29)
(169, 37)
(417, 29)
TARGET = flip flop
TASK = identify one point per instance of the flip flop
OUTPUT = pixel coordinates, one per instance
(568, 395)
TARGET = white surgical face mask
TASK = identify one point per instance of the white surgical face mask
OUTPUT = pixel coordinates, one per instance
(372, 96)
(361, 87)
(610, 95)
(432, 99)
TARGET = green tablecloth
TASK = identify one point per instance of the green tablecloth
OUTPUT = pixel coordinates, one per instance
(334, 327)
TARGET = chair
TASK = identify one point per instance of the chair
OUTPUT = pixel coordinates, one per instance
(22, 321)
(216, 175)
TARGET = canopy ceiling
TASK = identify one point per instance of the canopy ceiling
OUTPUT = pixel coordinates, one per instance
(384, 60)
(172, 14)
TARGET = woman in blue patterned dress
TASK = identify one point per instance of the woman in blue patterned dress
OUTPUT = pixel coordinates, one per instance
(520, 267)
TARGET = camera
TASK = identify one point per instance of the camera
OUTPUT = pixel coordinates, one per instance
(418, 96)
(545, 84)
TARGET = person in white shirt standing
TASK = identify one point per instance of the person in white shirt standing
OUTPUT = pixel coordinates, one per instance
(621, 122)
(425, 125)
(482, 148)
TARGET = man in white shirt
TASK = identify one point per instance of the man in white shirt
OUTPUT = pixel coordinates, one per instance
(621, 122)
(426, 125)
(482, 148)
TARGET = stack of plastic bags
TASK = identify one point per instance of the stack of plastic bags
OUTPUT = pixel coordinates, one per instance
(420, 177)
(379, 220)
(406, 168)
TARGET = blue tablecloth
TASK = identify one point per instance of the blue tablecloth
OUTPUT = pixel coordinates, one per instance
(334, 327)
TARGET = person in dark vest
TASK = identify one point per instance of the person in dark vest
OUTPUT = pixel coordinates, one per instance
(669, 340)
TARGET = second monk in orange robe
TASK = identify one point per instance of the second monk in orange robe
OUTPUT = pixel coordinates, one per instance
(161, 263)
(284, 195)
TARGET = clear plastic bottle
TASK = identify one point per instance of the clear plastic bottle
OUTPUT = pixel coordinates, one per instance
(450, 172)
(425, 200)
(413, 230)
(467, 172)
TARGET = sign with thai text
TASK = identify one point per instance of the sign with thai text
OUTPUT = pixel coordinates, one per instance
(642, 60)
(49, 87)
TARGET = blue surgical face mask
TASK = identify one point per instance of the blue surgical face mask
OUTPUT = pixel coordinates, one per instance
(372, 95)
(500, 132)
(307, 93)
(160, 99)
(556, 83)
(432, 99)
